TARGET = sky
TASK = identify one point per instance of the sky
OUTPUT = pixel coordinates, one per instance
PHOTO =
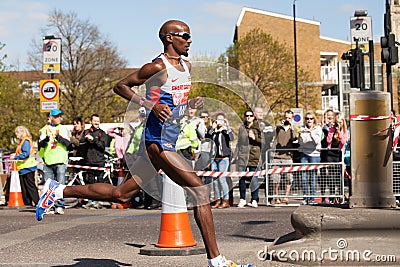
(133, 25)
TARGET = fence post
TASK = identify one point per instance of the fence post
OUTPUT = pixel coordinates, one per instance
(371, 155)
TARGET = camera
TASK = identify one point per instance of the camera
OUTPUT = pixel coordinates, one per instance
(285, 122)
(220, 122)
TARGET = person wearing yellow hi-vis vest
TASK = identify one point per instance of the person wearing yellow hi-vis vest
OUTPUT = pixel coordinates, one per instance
(42, 132)
(187, 141)
(54, 142)
(26, 165)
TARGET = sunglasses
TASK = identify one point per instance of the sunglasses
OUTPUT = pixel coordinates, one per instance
(186, 36)
(203, 117)
(309, 118)
(249, 116)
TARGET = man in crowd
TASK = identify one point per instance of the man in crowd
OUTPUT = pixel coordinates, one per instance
(93, 146)
(53, 143)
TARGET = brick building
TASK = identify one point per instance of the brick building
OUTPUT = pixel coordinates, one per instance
(319, 56)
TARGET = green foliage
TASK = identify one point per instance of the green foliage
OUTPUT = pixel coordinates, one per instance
(17, 107)
(269, 64)
(208, 82)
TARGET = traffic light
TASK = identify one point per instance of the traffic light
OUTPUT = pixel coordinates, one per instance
(389, 53)
(356, 68)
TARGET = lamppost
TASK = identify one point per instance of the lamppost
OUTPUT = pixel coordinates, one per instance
(295, 53)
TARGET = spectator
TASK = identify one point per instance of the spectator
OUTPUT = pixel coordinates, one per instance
(286, 134)
(335, 137)
(267, 132)
(309, 147)
(149, 199)
(347, 163)
(42, 132)
(186, 146)
(54, 141)
(117, 133)
(93, 145)
(26, 165)
(204, 160)
(76, 135)
(248, 156)
(187, 142)
(136, 137)
(221, 134)
(197, 122)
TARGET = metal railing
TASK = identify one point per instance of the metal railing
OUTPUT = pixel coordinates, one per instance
(329, 178)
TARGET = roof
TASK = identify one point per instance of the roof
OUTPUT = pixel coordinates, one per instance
(263, 12)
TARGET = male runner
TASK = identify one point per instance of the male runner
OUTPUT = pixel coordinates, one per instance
(167, 81)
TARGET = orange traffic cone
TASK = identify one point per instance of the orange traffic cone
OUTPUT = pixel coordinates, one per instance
(175, 229)
(120, 206)
(15, 196)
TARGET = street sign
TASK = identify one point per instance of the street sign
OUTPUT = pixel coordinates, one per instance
(361, 29)
(297, 117)
(52, 55)
(49, 95)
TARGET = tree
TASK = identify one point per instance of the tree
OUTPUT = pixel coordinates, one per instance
(90, 67)
(15, 108)
(270, 65)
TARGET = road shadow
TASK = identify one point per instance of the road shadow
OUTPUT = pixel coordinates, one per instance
(135, 245)
(84, 262)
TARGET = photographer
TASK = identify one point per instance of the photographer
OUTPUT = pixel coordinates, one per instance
(286, 134)
(335, 137)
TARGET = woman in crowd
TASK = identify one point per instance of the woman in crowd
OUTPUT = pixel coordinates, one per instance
(248, 156)
(335, 137)
(221, 134)
(26, 165)
(309, 147)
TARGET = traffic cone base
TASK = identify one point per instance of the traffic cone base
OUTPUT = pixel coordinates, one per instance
(15, 200)
(15, 194)
(175, 231)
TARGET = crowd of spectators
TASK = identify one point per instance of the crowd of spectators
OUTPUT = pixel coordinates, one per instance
(207, 143)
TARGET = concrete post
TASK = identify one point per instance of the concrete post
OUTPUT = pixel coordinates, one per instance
(371, 157)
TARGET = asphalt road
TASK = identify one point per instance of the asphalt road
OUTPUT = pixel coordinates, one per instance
(110, 237)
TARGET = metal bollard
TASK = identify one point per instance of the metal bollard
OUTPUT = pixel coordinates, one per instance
(371, 155)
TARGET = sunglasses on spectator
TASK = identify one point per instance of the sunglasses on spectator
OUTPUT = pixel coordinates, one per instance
(310, 119)
(203, 116)
(249, 115)
(186, 36)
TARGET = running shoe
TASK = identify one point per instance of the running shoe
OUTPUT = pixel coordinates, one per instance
(59, 210)
(47, 200)
(229, 263)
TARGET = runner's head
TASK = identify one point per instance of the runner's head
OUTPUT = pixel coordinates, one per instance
(175, 35)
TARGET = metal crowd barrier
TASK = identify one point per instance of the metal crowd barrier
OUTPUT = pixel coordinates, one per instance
(396, 178)
(329, 178)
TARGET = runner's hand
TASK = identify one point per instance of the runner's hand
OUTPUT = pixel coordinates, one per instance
(196, 102)
(162, 112)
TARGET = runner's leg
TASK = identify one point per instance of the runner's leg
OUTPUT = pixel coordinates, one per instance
(183, 174)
